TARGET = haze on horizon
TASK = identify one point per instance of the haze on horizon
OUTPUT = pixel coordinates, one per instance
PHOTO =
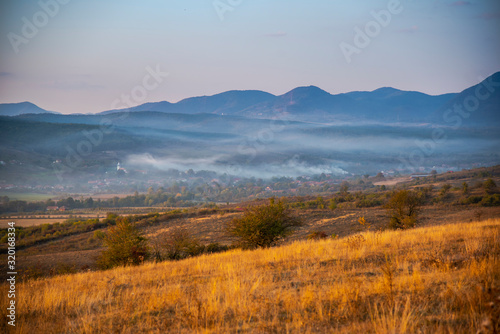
(86, 54)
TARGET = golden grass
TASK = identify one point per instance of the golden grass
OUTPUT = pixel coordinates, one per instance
(427, 280)
(41, 219)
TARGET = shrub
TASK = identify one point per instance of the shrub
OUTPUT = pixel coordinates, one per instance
(489, 186)
(491, 200)
(444, 189)
(333, 204)
(403, 208)
(215, 247)
(180, 244)
(317, 235)
(264, 225)
(355, 241)
(125, 245)
(474, 199)
(465, 188)
(110, 218)
(362, 221)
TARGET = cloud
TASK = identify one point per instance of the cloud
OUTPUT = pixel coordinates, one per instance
(6, 74)
(460, 3)
(490, 16)
(276, 34)
(410, 30)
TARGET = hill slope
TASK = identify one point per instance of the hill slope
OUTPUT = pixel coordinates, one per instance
(479, 104)
(15, 109)
(309, 104)
(421, 280)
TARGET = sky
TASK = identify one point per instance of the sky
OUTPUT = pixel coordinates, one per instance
(75, 56)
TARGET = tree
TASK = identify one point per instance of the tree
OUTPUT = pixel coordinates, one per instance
(264, 225)
(321, 202)
(180, 244)
(403, 208)
(125, 245)
(465, 188)
(333, 204)
(489, 186)
(444, 189)
(344, 188)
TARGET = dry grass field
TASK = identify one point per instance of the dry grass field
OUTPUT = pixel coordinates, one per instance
(25, 222)
(50, 257)
(435, 279)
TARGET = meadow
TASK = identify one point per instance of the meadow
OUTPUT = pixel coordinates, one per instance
(435, 279)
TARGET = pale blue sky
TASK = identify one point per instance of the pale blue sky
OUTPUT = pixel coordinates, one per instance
(90, 52)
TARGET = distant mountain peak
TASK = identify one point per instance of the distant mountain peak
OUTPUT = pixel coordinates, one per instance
(307, 89)
(20, 108)
(386, 90)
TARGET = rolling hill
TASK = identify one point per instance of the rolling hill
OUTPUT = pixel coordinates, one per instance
(15, 109)
(312, 104)
(304, 131)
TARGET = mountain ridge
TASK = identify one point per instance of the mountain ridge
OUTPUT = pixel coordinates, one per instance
(311, 103)
(20, 108)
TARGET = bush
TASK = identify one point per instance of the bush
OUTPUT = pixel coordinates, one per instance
(317, 235)
(263, 226)
(474, 199)
(180, 244)
(489, 186)
(124, 244)
(491, 200)
(403, 208)
(333, 204)
(444, 189)
(216, 248)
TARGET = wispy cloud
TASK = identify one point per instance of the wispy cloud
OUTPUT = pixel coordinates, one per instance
(276, 34)
(490, 16)
(410, 30)
(6, 74)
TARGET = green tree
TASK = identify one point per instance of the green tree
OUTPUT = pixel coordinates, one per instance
(321, 202)
(333, 204)
(125, 245)
(489, 186)
(444, 189)
(403, 208)
(264, 225)
(465, 188)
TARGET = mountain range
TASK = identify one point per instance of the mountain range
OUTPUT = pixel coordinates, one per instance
(309, 104)
(312, 104)
(305, 131)
(15, 109)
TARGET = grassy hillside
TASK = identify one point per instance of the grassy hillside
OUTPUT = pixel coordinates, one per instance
(430, 280)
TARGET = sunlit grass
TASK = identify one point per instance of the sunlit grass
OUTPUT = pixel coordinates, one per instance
(428, 280)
